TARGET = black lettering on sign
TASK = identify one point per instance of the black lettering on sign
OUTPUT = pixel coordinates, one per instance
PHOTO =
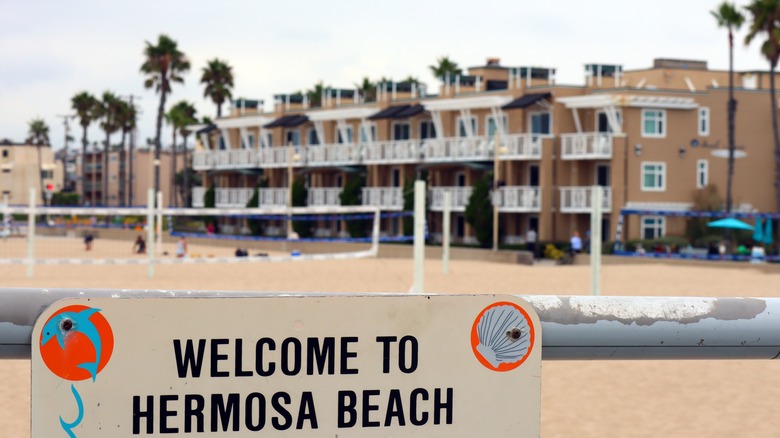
(386, 340)
(138, 414)
(165, 413)
(411, 342)
(295, 361)
(216, 357)
(439, 405)
(240, 372)
(261, 371)
(423, 418)
(283, 412)
(395, 409)
(191, 360)
(193, 410)
(260, 410)
(224, 412)
(346, 355)
(320, 354)
(347, 415)
(306, 411)
(368, 407)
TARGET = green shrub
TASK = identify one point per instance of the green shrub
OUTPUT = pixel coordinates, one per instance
(352, 194)
(479, 211)
(299, 198)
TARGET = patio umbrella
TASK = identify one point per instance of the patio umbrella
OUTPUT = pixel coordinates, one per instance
(730, 222)
(768, 232)
(758, 235)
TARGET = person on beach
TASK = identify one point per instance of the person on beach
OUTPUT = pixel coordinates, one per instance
(139, 247)
(181, 247)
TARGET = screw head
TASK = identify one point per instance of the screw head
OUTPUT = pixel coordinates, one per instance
(66, 325)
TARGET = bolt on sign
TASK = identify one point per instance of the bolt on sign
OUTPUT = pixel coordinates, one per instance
(289, 366)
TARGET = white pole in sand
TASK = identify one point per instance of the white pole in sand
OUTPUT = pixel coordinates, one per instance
(595, 240)
(159, 229)
(419, 236)
(150, 230)
(31, 234)
(445, 244)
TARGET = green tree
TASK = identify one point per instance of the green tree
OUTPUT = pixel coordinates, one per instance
(300, 195)
(479, 211)
(314, 95)
(444, 66)
(86, 107)
(179, 117)
(217, 76)
(127, 119)
(108, 113)
(366, 90)
(163, 64)
(257, 226)
(729, 17)
(408, 221)
(38, 135)
(765, 22)
(188, 113)
(351, 194)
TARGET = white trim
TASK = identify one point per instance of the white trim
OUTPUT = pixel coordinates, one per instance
(530, 123)
(668, 206)
(702, 170)
(462, 103)
(500, 128)
(704, 116)
(642, 173)
(618, 115)
(368, 129)
(471, 129)
(341, 114)
(242, 122)
(632, 100)
(659, 226)
(662, 120)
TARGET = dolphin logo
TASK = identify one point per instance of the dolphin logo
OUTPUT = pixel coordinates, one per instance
(68, 322)
(68, 427)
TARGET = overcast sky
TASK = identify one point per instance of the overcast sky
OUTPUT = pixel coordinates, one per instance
(51, 50)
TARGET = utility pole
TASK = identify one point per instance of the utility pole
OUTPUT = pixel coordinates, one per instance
(66, 122)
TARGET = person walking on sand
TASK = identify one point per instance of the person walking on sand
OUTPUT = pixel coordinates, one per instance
(139, 247)
(530, 241)
(576, 243)
(181, 247)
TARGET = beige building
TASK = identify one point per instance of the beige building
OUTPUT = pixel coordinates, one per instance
(136, 185)
(648, 138)
(20, 171)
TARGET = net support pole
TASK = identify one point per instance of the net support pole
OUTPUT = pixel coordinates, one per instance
(375, 233)
(150, 230)
(595, 240)
(419, 236)
(445, 242)
(31, 234)
(6, 215)
(158, 222)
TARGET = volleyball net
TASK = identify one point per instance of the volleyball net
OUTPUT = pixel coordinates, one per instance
(34, 235)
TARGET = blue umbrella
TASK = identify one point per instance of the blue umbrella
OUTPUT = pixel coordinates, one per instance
(768, 232)
(758, 235)
(730, 222)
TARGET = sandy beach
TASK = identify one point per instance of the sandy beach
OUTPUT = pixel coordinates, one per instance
(579, 398)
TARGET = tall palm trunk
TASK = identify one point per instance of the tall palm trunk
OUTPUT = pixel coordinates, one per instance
(775, 132)
(186, 176)
(732, 109)
(219, 110)
(122, 180)
(130, 200)
(173, 171)
(84, 165)
(105, 169)
(157, 140)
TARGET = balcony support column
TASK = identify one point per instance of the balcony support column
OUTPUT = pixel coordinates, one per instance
(577, 123)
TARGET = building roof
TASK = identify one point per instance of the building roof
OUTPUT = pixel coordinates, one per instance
(526, 100)
(398, 112)
(288, 121)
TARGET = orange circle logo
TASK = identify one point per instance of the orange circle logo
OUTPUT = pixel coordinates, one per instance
(76, 343)
(502, 336)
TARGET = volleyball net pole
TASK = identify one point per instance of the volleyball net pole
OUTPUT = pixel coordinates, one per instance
(596, 199)
(150, 230)
(445, 242)
(31, 234)
(419, 236)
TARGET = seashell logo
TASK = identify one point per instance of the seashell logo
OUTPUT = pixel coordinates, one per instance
(502, 336)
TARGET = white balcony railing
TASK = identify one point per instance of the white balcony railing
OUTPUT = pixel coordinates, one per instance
(202, 160)
(520, 147)
(279, 157)
(324, 196)
(273, 197)
(457, 149)
(333, 155)
(386, 198)
(198, 197)
(232, 198)
(396, 151)
(240, 158)
(459, 198)
(589, 145)
(518, 199)
(578, 199)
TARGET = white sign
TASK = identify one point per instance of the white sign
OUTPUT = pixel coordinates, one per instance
(302, 366)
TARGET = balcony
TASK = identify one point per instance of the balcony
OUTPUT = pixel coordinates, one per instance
(586, 146)
(457, 149)
(578, 199)
(273, 197)
(233, 198)
(518, 199)
(459, 198)
(203, 160)
(386, 198)
(392, 152)
(198, 197)
(520, 147)
(324, 196)
(278, 157)
(333, 155)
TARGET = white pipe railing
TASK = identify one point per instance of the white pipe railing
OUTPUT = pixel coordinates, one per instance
(386, 198)
(460, 198)
(396, 151)
(324, 196)
(589, 145)
(578, 199)
(518, 199)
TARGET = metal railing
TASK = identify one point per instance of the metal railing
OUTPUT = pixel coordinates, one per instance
(395, 151)
(518, 199)
(324, 196)
(578, 199)
(459, 198)
(202, 160)
(588, 145)
(520, 147)
(333, 155)
(386, 198)
(457, 149)
(198, 197)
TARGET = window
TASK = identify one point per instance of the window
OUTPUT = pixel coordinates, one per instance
(369, 128)
(653, 227)
(653, 123)
(47, 174)
(704, 121)
(269, 139)
(540, 123)
(293, 136)
(427, 129)
(653, 177)
(350, 135)
(401, 131)
(251, 138)
(462, 127)
(602, 121)
(490, 125)
(311, 137)
(221, 143)
(702, 173)
(5, 153)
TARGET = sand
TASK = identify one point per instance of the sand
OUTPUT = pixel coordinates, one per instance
(579, 398)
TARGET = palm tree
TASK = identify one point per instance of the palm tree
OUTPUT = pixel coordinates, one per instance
(174, 117)
(366, 89)
(187, 113)
(85, 106)
(38, 135)
(164, 64)
(444, 66)
(126, 120)
(766, 14)
(218, 78)
(314, 96)
(729, 17)
(109, 111)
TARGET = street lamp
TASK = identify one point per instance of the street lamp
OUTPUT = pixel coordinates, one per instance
(497, 150)
(291, 157)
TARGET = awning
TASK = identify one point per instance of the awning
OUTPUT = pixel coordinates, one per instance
(204, 130)
(288, 121)
(526, 100)
(398, 112)
(409, 111)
